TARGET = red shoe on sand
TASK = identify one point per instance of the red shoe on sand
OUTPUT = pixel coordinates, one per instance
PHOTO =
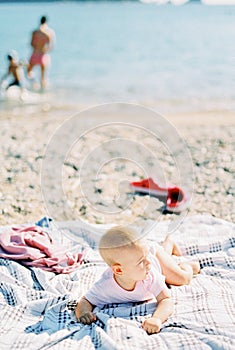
(176, 200)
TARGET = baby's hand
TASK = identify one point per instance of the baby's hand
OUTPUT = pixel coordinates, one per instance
(87, 318)
(152, 325)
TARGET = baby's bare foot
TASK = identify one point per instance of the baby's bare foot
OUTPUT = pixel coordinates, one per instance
(176, 250)
(195, 266)
(171, 247)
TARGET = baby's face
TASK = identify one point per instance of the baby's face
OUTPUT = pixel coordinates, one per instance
(135, 262)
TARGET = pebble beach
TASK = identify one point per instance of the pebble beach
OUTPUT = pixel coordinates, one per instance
(24, 139)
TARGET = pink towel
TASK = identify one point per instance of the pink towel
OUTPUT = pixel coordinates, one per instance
(33, 247)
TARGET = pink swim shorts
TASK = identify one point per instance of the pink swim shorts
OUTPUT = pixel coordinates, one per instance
(40, 59)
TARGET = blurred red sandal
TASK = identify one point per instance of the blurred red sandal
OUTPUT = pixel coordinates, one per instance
(175, 198)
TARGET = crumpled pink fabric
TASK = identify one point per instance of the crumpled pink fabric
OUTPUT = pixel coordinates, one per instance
(32, 246)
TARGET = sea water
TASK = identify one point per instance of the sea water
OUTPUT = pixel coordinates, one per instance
(173, 58)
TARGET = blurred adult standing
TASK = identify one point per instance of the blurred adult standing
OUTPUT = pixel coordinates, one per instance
(42, 42)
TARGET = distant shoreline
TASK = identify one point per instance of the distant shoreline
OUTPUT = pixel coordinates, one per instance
(35, 1)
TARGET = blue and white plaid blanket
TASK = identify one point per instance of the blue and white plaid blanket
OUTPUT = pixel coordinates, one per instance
(34, 312)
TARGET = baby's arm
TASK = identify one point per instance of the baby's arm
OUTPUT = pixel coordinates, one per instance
(84, 312)
(163, 311)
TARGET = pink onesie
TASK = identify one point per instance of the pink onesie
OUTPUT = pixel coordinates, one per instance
(106, 290)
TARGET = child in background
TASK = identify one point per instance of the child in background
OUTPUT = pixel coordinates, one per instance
(136, 273)
(14, 70)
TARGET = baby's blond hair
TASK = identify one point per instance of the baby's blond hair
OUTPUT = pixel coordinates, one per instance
(114, 241)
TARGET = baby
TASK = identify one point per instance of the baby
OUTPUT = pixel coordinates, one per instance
(135, 274)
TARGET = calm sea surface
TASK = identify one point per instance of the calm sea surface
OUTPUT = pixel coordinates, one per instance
(175, 58)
